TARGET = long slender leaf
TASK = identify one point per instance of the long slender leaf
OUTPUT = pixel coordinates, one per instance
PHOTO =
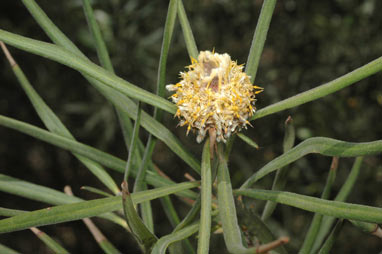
(6, 250)
(53, 123)
(44, 194)
(102, 52)
(317, 205)
(139, 183)
(259, 38)
(84, 150)
(138, 228)
(35, 192)
(331, 239)
(101, 240)
(248, 140)
(370, 228)
(342, 195)
(170, 211)
(151, 142)
(187, 31)
(104, 58)
(70, 59)
(206, 200)
(167, 35)
(96, 191)
(191, 215)
(7, 212)
(162, 244)
(84, 209)
(227, 210)
(281, 175)
(49, 241)
(125, 106)
(322, 90)
(133, 144)
(320, 145)
(255, 227)
(314, 228)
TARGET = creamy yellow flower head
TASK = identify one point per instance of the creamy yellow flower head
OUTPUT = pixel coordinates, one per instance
(214, 94)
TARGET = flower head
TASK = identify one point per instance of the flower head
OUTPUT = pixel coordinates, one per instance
(214, 94)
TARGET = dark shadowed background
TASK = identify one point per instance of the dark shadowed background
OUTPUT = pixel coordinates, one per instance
(309, 43)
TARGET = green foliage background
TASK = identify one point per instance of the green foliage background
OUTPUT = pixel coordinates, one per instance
(309, 43)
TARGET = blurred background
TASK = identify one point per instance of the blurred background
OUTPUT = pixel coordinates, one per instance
(309, 43)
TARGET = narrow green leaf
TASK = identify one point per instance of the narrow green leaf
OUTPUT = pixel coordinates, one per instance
(141, 174)
(108, 248)
(125, 106)
(147, 214)
(162, 244)
(206, 200)
(227, 210)
(170, 211)
(167, 35)
(257, 228)
(53, 123)
(289, 136)
(84, 150)
(317, 205)
(49, 241)
(161, 82)
(96, 191)
(133, 144)
(84, 209)
(35, 192)
(281, 175)
(102, 52)
(71, 60)
(248, 140)
(259, 38)
(322, 90)
(104, 58)
(101, 240)
(44, 194)
(138, 228)
(191, 215)
(6, 212)
(342, 195)
(146, 207)
(6, 250)
(370, 228)
(314, 228)
(187, 31)
(320, 145)
(331, 239)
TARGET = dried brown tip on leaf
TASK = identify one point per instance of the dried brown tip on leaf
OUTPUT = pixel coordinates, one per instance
(334, 164)
(289, 120)
(377, 232)
(36, 231)
(272, 245)
(8, 55)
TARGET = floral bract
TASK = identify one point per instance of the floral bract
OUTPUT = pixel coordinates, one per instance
(214, 94)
